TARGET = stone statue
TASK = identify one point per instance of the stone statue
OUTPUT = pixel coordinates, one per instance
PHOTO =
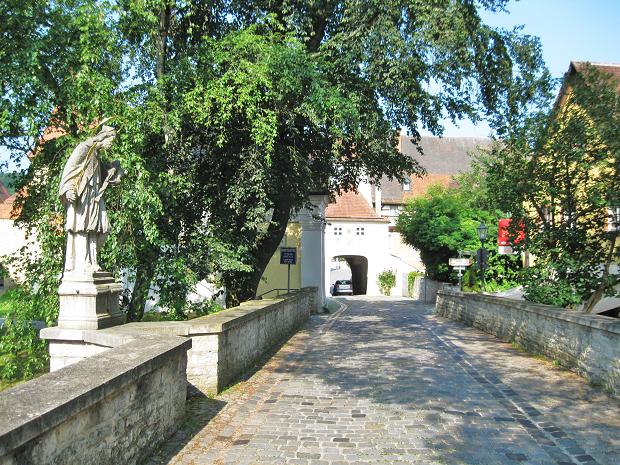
(84, 181)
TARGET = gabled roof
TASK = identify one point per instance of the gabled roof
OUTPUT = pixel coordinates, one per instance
(351, 206)
(443, 155)
(576, 67)
(607, 68)
(443, 158)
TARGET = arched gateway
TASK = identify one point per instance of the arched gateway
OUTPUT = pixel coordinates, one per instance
(359, 237)
(355, 269)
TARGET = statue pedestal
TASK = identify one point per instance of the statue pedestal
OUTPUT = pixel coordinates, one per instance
(89, 300)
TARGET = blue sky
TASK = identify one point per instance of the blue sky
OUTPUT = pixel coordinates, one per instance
(569, 30)
(580, 30)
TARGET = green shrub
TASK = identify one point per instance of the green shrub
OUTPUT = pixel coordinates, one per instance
(386, 281)
(410, 280)
(23, 354)
(8, 301)
(191, 310)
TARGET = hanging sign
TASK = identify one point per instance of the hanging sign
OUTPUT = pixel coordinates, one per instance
(503, 236)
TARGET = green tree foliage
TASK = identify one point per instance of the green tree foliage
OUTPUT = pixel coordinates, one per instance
(559, 172)
(8, 179)
(230, 113)
(442, 223)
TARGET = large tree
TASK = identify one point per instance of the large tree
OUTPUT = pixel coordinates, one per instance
(374, 66)
(232, 112)
(560, 173)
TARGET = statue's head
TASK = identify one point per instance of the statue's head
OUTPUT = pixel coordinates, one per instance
(105, 137)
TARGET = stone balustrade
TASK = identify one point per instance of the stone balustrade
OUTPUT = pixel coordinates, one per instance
(114, 394)
(110, 409)
(586, 344)
(224, 344)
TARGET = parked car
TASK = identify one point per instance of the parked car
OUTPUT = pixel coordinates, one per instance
(342, 287)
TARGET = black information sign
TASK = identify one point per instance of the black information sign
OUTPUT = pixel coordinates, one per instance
(288, 256)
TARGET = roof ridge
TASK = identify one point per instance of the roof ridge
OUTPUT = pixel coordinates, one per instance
(596, 63)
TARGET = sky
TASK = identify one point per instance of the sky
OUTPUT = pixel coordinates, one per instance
(569, 30)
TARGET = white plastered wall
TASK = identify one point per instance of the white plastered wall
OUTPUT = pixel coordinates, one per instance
(373, 245)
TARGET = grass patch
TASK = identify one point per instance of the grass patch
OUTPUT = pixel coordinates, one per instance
(19, 378)
(193, 310)
(4, 384)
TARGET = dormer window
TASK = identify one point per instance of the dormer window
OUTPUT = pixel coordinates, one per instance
(407, 185)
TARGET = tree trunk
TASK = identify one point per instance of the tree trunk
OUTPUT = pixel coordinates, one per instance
(162, 42)
(600, 291)
(242, 286)
(144, 277)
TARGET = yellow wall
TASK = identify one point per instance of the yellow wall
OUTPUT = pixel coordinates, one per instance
(275, 275)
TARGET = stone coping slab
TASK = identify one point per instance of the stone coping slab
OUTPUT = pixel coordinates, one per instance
(209, 324)
(30, 409)
(602, 322)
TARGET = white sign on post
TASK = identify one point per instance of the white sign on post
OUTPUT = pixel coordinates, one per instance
(459, 262)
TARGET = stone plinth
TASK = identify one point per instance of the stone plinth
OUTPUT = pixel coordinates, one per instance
(89, 301)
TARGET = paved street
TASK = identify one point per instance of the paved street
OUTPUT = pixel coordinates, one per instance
(386, 382)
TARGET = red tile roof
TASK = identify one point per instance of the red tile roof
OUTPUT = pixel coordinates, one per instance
(419, 186)
(4, 192)
(351, 205)
(6, 208)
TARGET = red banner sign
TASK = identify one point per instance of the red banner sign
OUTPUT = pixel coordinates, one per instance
(503, 237)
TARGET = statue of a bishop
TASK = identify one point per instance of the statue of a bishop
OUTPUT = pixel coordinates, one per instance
(84, 181)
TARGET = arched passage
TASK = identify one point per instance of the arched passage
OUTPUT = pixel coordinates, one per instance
(358, 266)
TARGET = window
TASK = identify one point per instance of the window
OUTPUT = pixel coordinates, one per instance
(407, 185)
(337, 231)
(359, 231)
(613, 219)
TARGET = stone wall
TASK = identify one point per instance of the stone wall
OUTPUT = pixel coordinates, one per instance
(586, 344)
(111, 409)
(426, 289)
(224, 344)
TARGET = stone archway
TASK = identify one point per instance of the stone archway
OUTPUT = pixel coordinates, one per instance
(358, 264)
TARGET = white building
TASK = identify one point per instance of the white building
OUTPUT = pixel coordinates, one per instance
(12, 239)
(361, 227)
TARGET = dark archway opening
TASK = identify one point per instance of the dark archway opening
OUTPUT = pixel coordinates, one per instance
(358, 266)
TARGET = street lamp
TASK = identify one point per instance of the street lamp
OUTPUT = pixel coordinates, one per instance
(483, 233)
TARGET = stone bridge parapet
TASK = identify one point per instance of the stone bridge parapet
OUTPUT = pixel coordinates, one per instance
(586, 344)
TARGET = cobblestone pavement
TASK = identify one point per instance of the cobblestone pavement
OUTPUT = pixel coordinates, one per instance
(387, 382)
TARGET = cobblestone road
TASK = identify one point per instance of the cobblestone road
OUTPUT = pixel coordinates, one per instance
(387, 382)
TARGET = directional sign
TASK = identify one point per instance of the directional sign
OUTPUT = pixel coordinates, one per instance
(459, 262)
(288, 256)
